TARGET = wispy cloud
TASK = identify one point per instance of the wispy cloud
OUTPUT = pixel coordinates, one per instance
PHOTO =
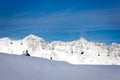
(89, 19)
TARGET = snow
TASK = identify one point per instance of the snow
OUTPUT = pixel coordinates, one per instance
(16, 67)
(94, 53)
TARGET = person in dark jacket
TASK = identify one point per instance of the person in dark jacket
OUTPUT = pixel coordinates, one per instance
(27, 54)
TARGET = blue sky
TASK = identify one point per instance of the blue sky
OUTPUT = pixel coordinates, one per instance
(66, 20)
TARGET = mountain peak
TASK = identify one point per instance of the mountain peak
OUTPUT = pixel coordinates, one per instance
(82, 39)
(33, 37)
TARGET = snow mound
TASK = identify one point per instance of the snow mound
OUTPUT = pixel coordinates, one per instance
(14, 67)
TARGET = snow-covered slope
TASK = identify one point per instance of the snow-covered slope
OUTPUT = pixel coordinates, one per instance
(15, 67)
(77, 52)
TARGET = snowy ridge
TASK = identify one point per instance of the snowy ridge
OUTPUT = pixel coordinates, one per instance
(76, 52)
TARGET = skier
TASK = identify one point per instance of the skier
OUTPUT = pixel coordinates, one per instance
(51, 58)
(27, 54)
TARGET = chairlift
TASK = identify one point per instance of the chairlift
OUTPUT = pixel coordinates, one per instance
(71, 51)
(43, 48)
(82, 52)
(53, 48)
(98, 54)
(11, 42)
(21, 43)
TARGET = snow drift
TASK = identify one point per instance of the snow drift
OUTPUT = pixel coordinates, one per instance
(15, 67)
(76, 52)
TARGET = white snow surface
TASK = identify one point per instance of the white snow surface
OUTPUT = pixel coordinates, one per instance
(93, 52)
(19, 67)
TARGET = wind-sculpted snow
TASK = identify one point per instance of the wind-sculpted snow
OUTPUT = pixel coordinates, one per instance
(76, 52)
(15, 67)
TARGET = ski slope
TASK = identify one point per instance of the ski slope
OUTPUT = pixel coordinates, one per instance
(15, 67)
(76, 52)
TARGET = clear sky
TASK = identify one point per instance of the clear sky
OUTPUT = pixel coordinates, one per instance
(66, 20)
